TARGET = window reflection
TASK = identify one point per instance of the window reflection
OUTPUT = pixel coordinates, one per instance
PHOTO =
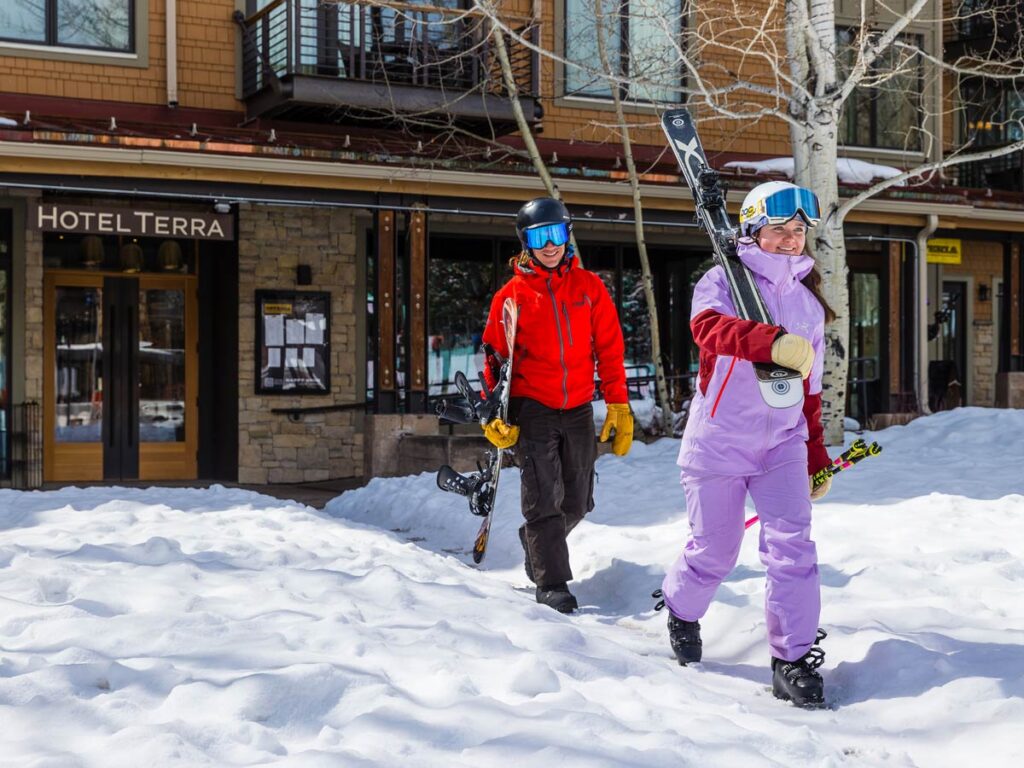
(460, 287)
(79, 365)
(865, 345)
(161, 366)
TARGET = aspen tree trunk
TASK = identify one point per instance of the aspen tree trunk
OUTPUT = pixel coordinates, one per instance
(524, 129)
(815, 148)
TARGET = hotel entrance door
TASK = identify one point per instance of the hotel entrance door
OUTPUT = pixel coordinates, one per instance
(120, 377)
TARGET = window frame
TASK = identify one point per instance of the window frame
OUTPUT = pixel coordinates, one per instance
(872, 100)
(50, 41)
(624, 58)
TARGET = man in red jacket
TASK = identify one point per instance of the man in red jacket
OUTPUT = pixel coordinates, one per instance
(567, 325)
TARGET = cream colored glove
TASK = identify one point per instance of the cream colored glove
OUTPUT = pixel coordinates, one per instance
(821, 490)
(792, 351)
(620, 419)
(500, 434)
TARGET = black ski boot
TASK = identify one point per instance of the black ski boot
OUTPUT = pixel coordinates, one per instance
(685, 639)
(557, 596)
(798, 681)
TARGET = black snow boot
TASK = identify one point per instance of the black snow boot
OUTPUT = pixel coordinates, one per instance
(798, 681)
(685, 639)
(557, 596)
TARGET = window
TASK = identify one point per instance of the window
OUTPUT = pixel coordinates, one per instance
(635, 35)
(885, 112)
(99, 24)
(993, 112)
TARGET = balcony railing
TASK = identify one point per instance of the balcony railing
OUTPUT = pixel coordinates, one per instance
(347, 60)
(1000, 174)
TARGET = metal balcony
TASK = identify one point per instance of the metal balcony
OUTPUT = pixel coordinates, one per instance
(345, 62)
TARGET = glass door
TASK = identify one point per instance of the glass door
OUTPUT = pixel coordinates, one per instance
(167, 378)
(120, 378)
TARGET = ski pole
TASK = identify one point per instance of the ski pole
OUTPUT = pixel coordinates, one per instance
(857, 452)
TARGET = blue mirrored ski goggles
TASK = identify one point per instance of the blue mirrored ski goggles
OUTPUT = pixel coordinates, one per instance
(787, 203)
(538, 237)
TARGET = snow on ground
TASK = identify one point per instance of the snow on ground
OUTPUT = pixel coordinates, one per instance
(222, 627)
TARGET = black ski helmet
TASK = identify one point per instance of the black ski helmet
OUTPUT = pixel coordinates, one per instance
(541, 210)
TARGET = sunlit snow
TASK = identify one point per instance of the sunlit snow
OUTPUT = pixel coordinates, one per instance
(222, 627)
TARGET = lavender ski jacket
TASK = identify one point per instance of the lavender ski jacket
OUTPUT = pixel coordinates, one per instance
(731, 430)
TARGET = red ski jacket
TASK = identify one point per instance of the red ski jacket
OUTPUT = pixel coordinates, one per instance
(567, 325)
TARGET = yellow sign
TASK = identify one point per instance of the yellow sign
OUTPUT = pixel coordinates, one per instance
(944, 250)
(277, 309)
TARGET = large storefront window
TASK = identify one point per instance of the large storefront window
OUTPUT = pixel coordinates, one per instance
(5, 342)
(462, 277)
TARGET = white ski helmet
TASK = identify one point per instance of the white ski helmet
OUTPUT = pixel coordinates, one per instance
(776, 202)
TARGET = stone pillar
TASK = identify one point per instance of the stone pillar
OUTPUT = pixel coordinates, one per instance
(272, 242)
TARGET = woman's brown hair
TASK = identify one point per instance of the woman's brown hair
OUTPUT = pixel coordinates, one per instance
(812, 281)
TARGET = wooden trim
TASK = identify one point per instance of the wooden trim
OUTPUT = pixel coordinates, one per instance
(1014, 296)
(417, 300)
(895, 337)
(385, 300)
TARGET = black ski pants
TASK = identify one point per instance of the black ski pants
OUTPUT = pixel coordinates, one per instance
(556, 452)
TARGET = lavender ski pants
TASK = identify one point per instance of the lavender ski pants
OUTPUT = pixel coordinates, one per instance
(715, 506)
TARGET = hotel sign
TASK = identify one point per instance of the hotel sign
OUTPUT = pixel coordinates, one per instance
(131, 222)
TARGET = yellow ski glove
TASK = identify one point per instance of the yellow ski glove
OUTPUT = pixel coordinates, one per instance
(620, 419)
(792, 351)
(821, 490)
(500, 434)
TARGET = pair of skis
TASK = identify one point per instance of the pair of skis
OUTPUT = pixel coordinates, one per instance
(481, 487)
(780, 387)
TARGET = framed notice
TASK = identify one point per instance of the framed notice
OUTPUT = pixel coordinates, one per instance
(293, 336)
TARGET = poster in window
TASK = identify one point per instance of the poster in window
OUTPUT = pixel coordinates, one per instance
(293, 342)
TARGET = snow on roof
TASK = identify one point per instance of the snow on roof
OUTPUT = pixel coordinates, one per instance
(849, 170)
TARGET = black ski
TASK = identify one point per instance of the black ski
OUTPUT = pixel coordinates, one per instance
(780, 387)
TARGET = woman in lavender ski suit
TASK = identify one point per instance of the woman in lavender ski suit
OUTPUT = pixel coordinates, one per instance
(735, 443)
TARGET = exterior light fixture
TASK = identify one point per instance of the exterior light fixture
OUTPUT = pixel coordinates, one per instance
(131, 257)
(168, 256)
(92, 251)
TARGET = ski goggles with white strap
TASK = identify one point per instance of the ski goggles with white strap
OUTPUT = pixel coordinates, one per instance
(538, 237)
(787, 203)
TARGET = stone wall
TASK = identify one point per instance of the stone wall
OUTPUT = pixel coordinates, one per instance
(272, 242)
(984, 389)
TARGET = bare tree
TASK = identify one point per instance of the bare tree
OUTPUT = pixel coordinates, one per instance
(623, 129)
(794, 61)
